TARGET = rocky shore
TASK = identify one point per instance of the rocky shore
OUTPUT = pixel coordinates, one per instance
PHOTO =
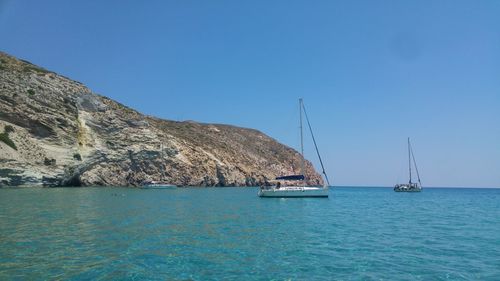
(56, 132)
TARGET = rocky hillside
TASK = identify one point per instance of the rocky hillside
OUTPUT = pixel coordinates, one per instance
(55, 132)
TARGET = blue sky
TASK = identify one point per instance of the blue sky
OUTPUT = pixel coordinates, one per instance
(371, 73)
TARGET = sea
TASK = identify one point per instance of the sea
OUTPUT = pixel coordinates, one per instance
(358, 233)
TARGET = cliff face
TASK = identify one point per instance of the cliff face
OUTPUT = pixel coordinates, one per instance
(55, 132)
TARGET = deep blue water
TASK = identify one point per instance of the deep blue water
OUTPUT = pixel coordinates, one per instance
(231, 234)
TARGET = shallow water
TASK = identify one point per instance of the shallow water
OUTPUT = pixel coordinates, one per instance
(230, 233)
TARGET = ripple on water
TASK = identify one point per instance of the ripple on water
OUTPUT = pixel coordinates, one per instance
(230, 233)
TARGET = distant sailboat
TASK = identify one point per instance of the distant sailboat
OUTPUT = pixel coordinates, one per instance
(298, 191)
(158, 184)
(410, 186)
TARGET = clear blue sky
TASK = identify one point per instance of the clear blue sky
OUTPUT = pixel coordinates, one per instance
(371, 73)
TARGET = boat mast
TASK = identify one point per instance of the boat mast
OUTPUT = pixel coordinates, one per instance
(409, 158)
(161, 156)
(302, 167)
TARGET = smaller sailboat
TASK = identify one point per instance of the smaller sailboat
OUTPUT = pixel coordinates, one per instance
(410, 186)
(298, 191)
(157, 185)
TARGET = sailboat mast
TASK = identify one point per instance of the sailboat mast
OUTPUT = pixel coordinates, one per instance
(409, 158)
(302, 167)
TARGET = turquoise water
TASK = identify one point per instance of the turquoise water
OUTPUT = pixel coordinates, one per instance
(231, 234)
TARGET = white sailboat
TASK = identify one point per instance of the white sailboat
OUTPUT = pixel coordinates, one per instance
(301, 190)
(158, 184)
(410, 186)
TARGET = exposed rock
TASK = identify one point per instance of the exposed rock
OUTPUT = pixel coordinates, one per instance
(66, 135)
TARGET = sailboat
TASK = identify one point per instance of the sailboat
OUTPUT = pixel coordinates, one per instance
(301, 190)
(158, 184)
(410, 186)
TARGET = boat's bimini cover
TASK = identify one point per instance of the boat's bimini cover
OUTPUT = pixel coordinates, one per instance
(291, 178)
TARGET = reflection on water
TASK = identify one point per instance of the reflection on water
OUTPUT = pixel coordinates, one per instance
(230, 233)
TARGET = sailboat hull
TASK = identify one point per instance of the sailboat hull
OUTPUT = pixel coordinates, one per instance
(402, 190)
(165, 186)
(294, 192)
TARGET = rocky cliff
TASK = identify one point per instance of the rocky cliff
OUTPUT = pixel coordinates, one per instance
(56, 132)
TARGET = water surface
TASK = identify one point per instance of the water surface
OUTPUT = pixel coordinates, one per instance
(230, 233)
